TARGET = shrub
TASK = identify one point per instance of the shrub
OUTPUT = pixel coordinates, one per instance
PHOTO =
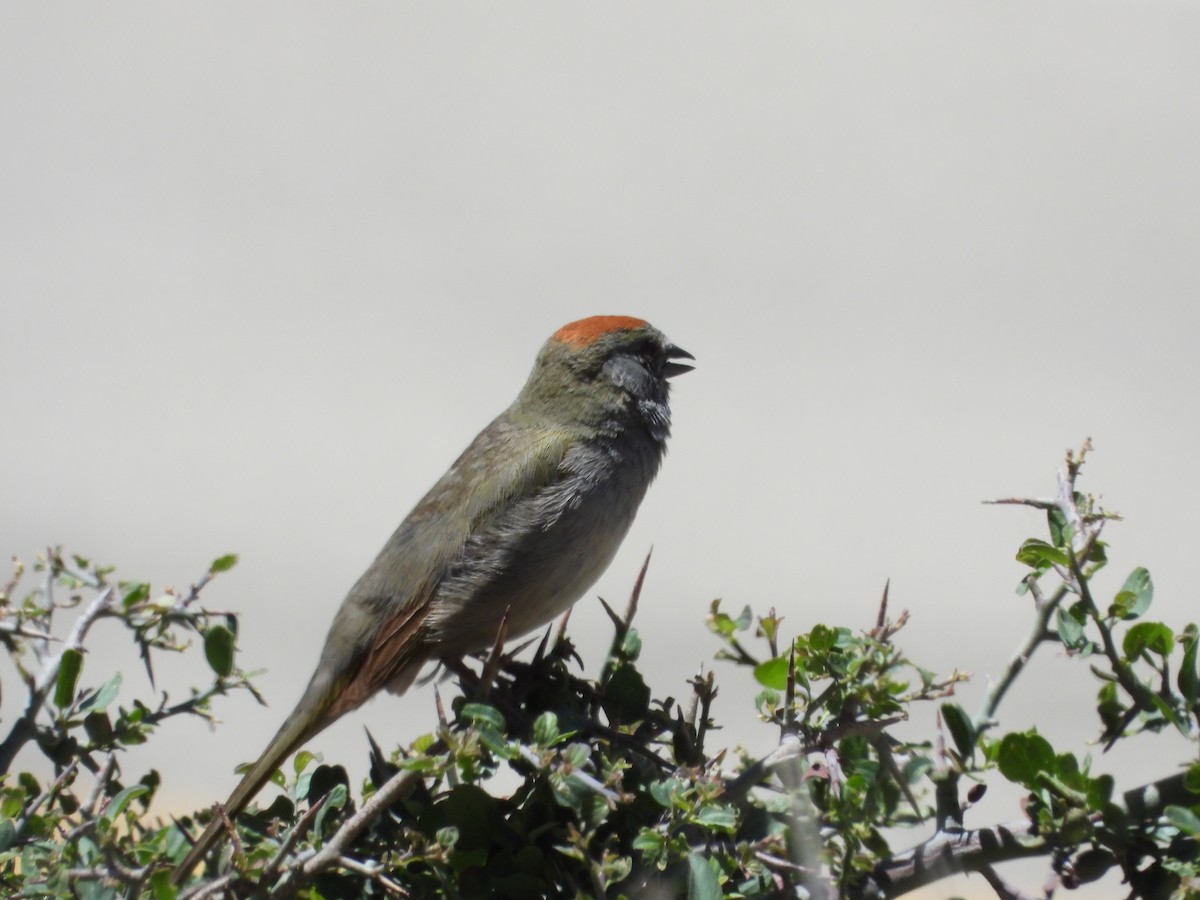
(618, 793)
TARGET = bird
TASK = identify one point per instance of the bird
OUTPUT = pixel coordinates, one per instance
(521, 525)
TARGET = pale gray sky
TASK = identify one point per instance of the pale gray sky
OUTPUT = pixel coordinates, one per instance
(266, 269)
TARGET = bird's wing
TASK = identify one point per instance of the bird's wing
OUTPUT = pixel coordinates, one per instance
(391, 602)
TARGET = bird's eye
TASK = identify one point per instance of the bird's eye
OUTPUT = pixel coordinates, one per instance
(648, 350)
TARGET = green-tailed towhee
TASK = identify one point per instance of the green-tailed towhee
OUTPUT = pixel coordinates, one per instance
(525, 521)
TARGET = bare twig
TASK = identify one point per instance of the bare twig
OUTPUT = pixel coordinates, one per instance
(1040, 632)
(193, 593)
(776, 862)
(1022, 501)
(289, 841)
(18, 630)
(329, 855)
(374, 873)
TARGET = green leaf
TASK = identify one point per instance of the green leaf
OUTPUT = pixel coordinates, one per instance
(1183, 819)
(702, 879)
(104, 696)
(337, 799)
(135, 592)
(223, 563)
(821, 638)
(631, 646)
(768, 626)
(650, 842)
(8, 834)
(545, 729)
(666, 792)
(13, 802)
(495, 741)
(576, 755)
(1134, 598)
(1060, 531)
(1188, 679)
(719, 622)
(718, 817)
(303, 758)
(772, 673)
(742, 622)
(119, 802)
(1099, 791)
(961, 729)
(69, 667)
(482, 714)
(1070, 629)
(161, 887)
(1154, 637)
(218, 649)
(1191, 778)
(1021, 756)
(1040, 555)
(1109, 707)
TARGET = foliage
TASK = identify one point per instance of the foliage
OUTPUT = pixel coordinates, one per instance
(617, 792)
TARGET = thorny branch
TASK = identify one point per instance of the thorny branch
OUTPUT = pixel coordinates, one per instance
(1086, 527)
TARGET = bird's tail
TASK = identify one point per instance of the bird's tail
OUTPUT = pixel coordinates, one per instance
(298, 728)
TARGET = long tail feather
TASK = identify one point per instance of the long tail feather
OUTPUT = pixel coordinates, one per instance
(299, 727)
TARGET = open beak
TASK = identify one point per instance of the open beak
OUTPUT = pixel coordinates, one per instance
(671, 369)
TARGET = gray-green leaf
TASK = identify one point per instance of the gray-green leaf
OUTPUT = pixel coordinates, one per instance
(702, 880)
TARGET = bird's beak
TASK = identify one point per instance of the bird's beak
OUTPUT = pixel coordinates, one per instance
(671, 369)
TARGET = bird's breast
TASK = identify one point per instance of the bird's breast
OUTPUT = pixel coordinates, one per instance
(539, 556)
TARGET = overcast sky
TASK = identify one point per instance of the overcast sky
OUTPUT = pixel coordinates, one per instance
(265, 269)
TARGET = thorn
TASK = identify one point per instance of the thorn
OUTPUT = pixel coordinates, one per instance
(790, 715)
(562, 625)
(616, 620)
(495, 657)
(636, 593)
(441, 709)
(540, 653)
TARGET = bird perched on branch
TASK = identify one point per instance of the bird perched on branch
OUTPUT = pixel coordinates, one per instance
(525, 521)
